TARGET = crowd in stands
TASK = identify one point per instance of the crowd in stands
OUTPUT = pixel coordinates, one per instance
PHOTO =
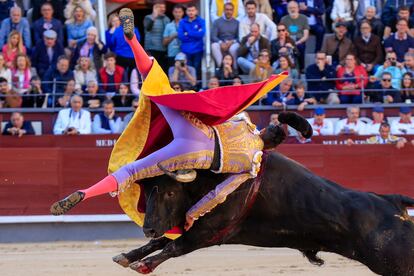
(51, 51)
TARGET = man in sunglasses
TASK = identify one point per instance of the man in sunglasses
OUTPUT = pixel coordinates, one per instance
(384, 92)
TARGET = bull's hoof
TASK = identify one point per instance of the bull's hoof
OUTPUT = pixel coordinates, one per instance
(127, 19)
(121, 259)
(141, 267)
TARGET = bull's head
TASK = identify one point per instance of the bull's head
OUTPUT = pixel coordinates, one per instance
(167, 201)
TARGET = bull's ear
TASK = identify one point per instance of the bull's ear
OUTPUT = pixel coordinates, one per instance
(181, 175)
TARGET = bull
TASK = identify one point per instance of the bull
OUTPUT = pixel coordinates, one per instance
(285, 206)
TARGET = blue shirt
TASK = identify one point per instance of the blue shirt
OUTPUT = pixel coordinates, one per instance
(191, 35)
(78, 31)
(119, 44)
(174, 46)
(400, 47)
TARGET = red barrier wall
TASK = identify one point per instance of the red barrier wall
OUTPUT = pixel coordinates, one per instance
(36, 171)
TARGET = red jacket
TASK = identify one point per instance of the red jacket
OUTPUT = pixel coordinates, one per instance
(360, 79)
(118, 76)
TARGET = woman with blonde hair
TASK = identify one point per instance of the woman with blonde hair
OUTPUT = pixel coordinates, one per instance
(83, 73)
(263, 69)
(22, 74)
(113, 23)
(86, 5)
(13, 47)
(77, 25)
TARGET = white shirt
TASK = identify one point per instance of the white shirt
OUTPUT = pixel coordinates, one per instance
(68, 118)
(114, 125)
(342, 9)
(268, 28)
(371, 129)
(358, 127)
(401, 129)
(325, 129)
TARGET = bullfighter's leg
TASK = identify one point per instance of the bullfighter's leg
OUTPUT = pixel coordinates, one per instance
(125, 259)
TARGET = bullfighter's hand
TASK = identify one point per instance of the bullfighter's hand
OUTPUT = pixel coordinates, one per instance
(189, 221)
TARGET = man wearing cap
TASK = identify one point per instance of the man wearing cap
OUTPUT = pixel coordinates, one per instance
(377, 119)
(46, 52)
(319, 125)
(352, 124)
(47, 22)
(183, 73)
(405, 125)
(337, 45)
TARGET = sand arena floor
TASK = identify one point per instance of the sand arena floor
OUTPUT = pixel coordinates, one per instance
(95, 258)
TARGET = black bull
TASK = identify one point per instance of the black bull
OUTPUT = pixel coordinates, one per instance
(293, 208)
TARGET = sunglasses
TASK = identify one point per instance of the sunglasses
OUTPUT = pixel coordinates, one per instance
(387, 80)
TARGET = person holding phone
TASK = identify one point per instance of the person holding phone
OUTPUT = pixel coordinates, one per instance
(183, 73)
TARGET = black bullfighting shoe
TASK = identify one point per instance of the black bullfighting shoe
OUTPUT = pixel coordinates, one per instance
(64, 205)
(127, 20)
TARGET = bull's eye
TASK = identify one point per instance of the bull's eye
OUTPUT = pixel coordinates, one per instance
(170, 194)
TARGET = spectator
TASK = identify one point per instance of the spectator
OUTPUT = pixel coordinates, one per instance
(377, 119)
(212, 83)
(18, 23)
(298, 28)
(384, 92)
(405, 125)
(113, 23)
(85, 5)
(216, 9)
(337, 45)
(177, 87)
(92, 47)
(111, 75)
(390, 19)
(368, 47)
(55, 78)
(250, 46)
(58, 7)
(35, 96)
(280, 8)
(107, 122)
(17, 126)
(407, 88)
(344, 11)
(93, 98)
(226, 73)
(400, 42)
(154, 25)
(373, 20)
(390, 65)
(191, 30)
(68, 91)
(300, 98)
(274, 119)
(363, 6)
(4, 71)
(237, 81)
(77, 25)
(182, 72)
(263, 6)
(352, 124)
(123, 98)
(47, 22)
(383, 136)
(171, 33)
(5, 6)
(22, 73)
(282, 94)
(319, 125)
(135, 82)
(124, 55)
(4, 91)
(128, 117)
(224, 36)
(73, 120)
(408, 63)
(266, 26)
(83, 73)
(283, 45)
(314, 10)
(13, 47)
(318, 77)
(351, 78)
(263, 70)
(286, 65)
(46, 52)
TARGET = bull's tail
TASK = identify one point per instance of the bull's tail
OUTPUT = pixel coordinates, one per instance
(297, 122)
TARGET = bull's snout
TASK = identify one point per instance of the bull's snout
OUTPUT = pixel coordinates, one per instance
(149, 232)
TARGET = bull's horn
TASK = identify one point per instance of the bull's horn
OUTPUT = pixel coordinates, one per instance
(181, 175)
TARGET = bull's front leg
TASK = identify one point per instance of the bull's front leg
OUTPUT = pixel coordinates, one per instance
(125, 259)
